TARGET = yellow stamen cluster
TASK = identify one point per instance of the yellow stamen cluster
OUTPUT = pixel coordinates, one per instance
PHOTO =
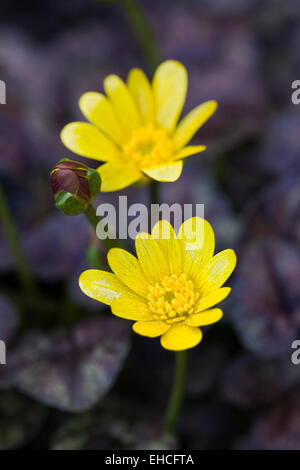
(173, 299)
(148, 147)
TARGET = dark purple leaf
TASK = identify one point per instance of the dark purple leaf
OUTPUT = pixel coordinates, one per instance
(250, 383)
(277, 212)
(280, 150)
(105, 430)
(70, 370)
(56, 247)
(33, 74)
(276, 430)
(266, 308)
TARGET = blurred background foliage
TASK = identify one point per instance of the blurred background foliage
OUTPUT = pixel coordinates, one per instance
(65, 351)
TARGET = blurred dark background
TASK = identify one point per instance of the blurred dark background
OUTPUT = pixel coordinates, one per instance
(75, 377)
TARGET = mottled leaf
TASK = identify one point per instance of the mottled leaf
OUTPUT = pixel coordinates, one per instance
(70, 370)
(277, 212)
(278, 429)
(56, 246)
(104, 430)
(280, 149)
(266, 309)
(251, 383)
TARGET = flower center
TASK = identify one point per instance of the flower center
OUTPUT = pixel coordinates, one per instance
(148, 147)
(173, 299)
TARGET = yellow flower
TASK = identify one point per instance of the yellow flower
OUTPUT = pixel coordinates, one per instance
(134, 128)
(169, 289)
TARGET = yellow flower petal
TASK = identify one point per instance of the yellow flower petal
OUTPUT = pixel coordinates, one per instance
(101, 285)
(163, 230)
(212, 299)
(189, 150)
(167, 240)
(192, 122)
(151, 258)
(141, 91)
(180, 337)
(99, 110)
(197, 233)
(123, 103)
(131, 308)
(198, 244)
(84, 139)
(217, 271)
(169, 90)
(168, 173)
(204, 318)
(152, 329)
(128, 270)
(115, 176)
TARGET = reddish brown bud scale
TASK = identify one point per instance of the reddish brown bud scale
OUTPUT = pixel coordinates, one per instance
(74, 186)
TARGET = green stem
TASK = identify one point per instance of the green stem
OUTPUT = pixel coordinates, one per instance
(94, 219)
(12, 238)
(154, 199)
(138, 21)
(175, 400)
(154, 192)
(95, 257)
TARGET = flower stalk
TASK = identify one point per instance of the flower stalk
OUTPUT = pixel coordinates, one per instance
(94, 219)
(142, 30)
(154, 192)
(177, 392)
(95, 257)
(91, 216)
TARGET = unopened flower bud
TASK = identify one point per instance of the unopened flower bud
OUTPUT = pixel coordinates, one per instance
(74, 186)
